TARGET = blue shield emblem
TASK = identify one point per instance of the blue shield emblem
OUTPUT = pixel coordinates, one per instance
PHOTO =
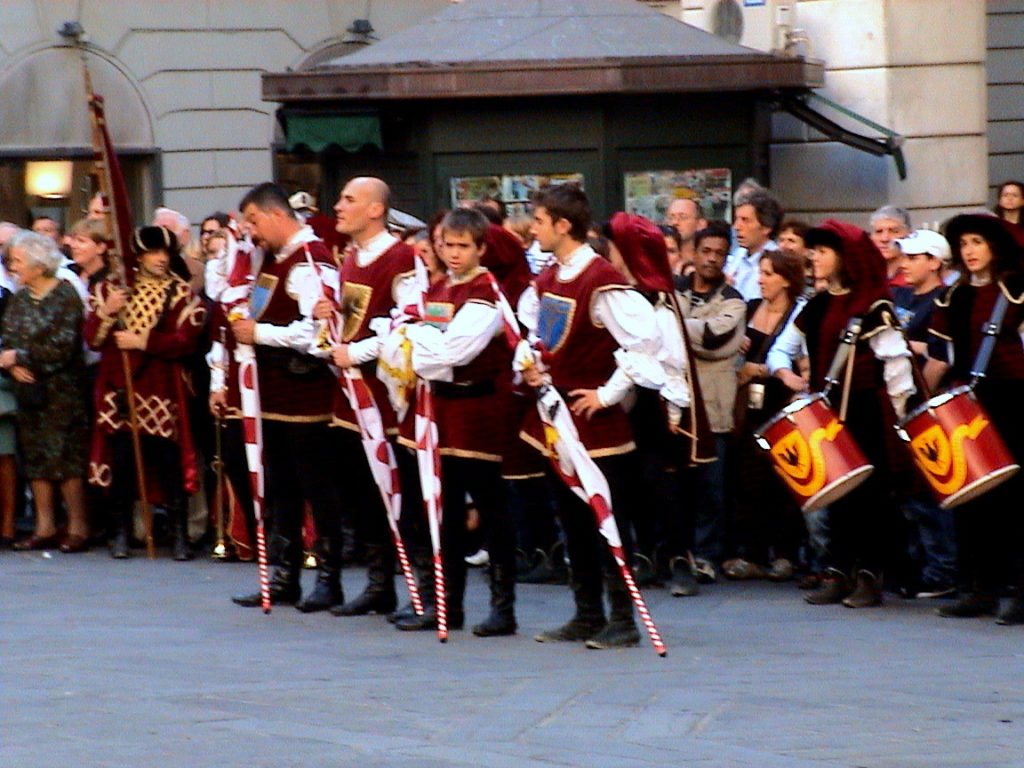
(262, 291)
(556, 314)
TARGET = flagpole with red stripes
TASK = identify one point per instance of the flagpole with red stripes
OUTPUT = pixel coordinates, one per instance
(233, 297)
(380, 454)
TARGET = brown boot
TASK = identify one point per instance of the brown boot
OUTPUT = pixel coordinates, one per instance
(834, 587)
(868, 592)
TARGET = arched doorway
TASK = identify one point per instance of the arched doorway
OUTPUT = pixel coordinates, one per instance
(51, 122)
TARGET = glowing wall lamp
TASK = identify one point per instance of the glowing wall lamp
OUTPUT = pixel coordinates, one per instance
(49, 178)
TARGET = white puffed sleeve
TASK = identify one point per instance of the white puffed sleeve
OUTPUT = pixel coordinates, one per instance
(890, 346)
(435, 352)
(630, 319)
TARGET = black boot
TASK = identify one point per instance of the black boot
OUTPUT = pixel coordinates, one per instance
(379, 594)
(327, 591)
(120, 545)
(621, 631)
(181, 548)
(834, 587)
(973, 604)
(285, 586)
(588, 621)
(502, 619)
(455, 588)
(422, 566)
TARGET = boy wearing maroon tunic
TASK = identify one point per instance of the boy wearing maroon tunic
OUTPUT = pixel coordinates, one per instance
(596, 335)
(295, 396)
(460, 347)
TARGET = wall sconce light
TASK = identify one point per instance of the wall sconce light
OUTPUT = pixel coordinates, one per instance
(49, 178)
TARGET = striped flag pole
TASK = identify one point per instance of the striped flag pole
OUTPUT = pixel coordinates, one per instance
(234, 295)
(252, 429)
(428, 459)
(578, 470)
(380, 454)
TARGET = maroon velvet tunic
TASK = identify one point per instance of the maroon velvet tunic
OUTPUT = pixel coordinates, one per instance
(367, 293)
(472, 411)
(293, 386)
(959, 316)
(579, 353)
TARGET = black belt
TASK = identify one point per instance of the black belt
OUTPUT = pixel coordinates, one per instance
(464, 389)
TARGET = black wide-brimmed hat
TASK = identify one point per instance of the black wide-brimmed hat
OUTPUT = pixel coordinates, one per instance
(1005, 238)
(155, 238)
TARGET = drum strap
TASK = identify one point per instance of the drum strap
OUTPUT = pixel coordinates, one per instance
(844, 356)
(990, 330)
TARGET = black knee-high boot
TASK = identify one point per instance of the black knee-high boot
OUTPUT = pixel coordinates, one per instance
(379, 595)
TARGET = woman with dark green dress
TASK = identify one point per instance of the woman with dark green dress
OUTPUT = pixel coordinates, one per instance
(41, 350)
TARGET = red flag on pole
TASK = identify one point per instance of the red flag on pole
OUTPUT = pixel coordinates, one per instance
(111, 185)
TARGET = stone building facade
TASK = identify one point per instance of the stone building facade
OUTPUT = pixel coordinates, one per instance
(188, 74)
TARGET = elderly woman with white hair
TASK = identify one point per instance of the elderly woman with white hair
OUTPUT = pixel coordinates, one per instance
(41, 350)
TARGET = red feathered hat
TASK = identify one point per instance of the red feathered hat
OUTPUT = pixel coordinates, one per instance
(642, 246)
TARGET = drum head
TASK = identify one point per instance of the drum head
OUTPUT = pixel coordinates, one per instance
(978, 487)
(836, 490)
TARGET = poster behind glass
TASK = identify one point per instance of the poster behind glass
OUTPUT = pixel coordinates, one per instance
(512, 189)
(649, 193)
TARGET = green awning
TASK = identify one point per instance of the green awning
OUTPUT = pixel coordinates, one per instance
(317, 132)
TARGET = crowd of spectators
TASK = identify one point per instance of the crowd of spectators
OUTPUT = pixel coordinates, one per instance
(741, 285)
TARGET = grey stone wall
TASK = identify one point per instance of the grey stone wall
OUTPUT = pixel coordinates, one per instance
(1004, 69)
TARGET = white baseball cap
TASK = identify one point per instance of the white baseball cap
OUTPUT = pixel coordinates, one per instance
(302, 201)
(926, 241)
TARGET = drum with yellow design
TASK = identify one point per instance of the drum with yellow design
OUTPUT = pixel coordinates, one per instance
(814, 454)
(956, 447)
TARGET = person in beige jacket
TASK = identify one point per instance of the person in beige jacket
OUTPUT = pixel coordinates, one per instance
(715, 315)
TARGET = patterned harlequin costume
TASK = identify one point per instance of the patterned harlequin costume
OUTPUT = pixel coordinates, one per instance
(170, 317)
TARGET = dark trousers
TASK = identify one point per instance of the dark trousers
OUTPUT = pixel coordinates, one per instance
(359, 493)
(990, 528)
(863, 521)
(587, 548)
(301, 467)
(481, 480)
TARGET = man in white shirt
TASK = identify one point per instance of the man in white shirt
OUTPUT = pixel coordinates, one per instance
(756, 222)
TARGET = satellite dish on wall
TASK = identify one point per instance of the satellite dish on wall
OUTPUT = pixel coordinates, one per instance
(727, 20)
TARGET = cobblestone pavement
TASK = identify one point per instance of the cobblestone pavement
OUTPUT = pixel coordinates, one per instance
(131, 663)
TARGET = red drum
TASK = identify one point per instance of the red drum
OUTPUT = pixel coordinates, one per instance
(814, 454)
(956, 447)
